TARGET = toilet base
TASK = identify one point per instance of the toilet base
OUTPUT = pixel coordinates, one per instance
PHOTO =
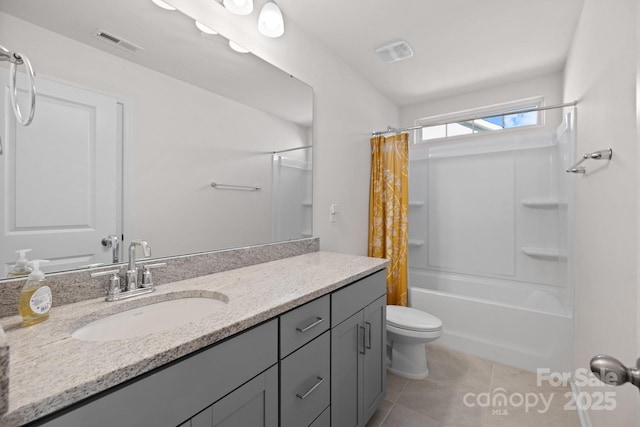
(408, 360)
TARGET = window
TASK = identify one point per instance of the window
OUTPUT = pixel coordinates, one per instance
(504, 118)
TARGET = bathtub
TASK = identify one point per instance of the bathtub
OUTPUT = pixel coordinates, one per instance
(525, 326)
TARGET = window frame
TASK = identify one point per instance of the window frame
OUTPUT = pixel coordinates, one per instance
(502, 109)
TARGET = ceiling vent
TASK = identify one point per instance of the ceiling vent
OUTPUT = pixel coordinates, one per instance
(396, 51)
(117, 41)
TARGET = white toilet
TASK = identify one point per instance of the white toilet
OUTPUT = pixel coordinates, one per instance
(408, 330)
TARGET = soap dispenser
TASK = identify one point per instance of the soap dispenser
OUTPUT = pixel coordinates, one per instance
(21, 268)
(35, 296)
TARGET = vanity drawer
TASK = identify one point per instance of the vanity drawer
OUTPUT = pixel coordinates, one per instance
(305, 383)
(301, 325)
(353, 298)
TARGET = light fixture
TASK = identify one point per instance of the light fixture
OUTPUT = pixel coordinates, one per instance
(239, 7)
(270, 22)
(163, 5)
(235, 46)
(205, 29)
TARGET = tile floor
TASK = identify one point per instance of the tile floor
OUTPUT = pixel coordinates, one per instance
(456, 378)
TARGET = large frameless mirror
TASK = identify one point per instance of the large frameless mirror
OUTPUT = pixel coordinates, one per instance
(145, 128)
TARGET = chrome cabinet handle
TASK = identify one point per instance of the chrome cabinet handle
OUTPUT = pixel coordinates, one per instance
(311, 389)
(611, 371)
(368, 325)
(311, 325)
(363, 339)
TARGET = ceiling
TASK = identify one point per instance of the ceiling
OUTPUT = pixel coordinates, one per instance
(459, 45)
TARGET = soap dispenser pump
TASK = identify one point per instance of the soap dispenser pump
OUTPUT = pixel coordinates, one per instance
(35, 296)
(21, 268)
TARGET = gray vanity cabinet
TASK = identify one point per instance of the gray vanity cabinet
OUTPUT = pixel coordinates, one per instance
(237, 376)
(321, 364)
(253, 404)
(358, 341)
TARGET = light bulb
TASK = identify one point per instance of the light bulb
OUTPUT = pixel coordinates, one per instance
(205, 29)
(235, 46)
(163, 5)
(270, 21)
(239, 7)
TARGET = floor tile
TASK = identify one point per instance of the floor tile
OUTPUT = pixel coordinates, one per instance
(521, 418)
(395, 385)
(401, 416)
(442, 402)
(458, 369)
(381, 414)
(464, 390)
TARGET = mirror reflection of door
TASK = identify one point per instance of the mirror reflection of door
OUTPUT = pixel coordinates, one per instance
(59, 211)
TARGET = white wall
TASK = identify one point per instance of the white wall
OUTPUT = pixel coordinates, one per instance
(183, 137)
(601, 74)
(346, 111)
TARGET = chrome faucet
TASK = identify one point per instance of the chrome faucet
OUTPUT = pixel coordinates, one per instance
(131, 276)
(131, 288)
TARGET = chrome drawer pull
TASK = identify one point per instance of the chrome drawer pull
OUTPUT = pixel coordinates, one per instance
(311, 390)
(312, 325)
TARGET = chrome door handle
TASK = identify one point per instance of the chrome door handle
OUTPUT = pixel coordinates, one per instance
(112, 241)
(611, 371)
(364, 345)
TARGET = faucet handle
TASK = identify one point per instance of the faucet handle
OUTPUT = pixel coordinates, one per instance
(147, 281)
(114, 282)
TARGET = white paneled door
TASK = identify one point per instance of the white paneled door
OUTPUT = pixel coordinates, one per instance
(60, 182)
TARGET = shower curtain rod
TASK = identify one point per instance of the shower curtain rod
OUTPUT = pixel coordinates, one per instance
(504, 113)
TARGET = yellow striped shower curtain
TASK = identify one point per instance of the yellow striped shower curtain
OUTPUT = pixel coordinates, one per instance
(388, 207)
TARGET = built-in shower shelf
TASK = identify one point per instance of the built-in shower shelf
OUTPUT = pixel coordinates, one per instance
(543, 253)
(416, 243)
(307, 204)
(416, 203)
(543, 203)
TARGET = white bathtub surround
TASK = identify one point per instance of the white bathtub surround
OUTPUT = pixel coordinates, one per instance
(491, 221)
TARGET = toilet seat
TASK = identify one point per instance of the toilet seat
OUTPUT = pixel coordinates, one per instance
(411, 319)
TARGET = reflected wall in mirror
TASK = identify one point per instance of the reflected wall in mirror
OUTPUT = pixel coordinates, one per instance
(127, 139)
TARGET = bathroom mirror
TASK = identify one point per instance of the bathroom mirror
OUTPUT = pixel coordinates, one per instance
(138, 114)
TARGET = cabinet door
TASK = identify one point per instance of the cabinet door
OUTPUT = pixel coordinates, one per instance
(347, 348)
(254, 404)
(375, 378)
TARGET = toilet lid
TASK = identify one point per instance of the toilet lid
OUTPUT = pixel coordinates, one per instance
(412, 319)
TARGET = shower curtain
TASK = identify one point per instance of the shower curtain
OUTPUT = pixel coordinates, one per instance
(388, 206)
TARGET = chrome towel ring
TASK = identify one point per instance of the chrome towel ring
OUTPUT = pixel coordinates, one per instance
(16, 59)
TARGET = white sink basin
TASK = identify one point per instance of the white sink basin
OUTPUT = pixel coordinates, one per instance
(148, 319)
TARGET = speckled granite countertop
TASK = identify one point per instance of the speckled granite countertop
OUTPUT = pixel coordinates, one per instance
(50, 370)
